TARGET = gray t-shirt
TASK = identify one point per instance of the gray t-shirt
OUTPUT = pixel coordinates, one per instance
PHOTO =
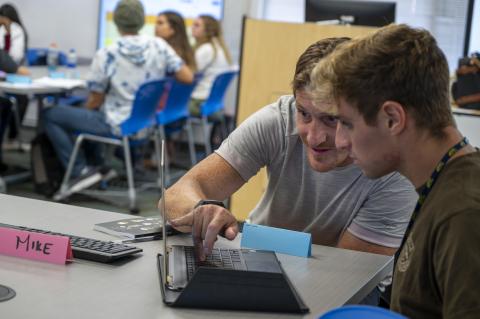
(299, 198)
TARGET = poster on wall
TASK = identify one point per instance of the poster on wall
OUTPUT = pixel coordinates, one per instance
(189, 9)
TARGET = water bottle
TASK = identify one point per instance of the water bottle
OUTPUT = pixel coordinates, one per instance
(72, 64)
(52, 58)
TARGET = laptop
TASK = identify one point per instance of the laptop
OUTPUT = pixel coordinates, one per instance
(233, 279)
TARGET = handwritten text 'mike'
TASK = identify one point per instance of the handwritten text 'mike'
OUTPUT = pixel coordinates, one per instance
(35, 245)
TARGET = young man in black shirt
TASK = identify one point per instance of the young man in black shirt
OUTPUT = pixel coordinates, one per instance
(392, 89)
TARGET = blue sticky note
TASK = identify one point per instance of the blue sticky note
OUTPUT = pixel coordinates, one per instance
(18, 79)
(277, 239)
(56, 75)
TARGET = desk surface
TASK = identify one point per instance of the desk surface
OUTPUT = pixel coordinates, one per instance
(461, 111)
(130, 289)
(40, 88)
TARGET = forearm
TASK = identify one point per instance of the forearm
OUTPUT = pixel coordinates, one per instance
(349, 241)
(95, 100)
(23, 71)
(212, 178)
(182, 197)
(473, 98)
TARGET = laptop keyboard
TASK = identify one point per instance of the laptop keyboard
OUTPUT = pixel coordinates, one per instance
(219, 258)
(89, 248)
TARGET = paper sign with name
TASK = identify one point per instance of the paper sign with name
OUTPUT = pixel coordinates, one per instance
(29, 245)
(277, 239)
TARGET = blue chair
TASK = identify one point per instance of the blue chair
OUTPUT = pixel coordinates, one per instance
(360, 312)
(38, 56)
(142, 117)
(214, 104)
(175, 110)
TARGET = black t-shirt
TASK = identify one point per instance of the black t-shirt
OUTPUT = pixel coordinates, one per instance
(6, 63)
(437, 274)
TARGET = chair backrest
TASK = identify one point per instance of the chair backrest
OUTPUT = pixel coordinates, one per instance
(38, 56)
(176, 105)
(144, 107)
(360, 312)
(214, 101)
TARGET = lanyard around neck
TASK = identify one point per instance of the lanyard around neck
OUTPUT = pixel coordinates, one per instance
(428, 187)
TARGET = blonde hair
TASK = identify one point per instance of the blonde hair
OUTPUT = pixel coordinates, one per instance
(179, 40)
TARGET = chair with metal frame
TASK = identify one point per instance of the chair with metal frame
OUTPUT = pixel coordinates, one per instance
(175, 110)
(142, 117)
(215, 103)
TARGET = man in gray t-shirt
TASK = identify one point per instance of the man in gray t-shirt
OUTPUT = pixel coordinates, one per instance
(312, 186)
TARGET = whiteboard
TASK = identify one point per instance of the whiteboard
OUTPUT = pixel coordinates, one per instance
(189, 9)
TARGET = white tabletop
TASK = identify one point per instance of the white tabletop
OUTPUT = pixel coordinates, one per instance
(330, 278)
(39, 73)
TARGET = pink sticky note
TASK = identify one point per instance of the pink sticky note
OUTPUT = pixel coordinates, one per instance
(50, 248)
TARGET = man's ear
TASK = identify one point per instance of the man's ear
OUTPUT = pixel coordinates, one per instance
(394, 116)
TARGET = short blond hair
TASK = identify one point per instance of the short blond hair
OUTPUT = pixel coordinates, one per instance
(396, 63)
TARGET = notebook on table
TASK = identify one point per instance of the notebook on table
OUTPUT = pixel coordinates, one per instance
(233, 279)
(135, 228)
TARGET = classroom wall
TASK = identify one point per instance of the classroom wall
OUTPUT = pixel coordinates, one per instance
(69, 23)
(444, 18)
(74, 24)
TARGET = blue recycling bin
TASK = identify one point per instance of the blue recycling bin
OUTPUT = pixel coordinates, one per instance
(361, 312)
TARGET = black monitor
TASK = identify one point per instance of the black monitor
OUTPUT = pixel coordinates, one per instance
(366, 13)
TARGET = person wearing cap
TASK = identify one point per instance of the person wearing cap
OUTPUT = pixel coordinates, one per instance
(116, 73)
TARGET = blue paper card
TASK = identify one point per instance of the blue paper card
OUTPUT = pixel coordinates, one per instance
(56, 75)
(277, 239)
(18, 79)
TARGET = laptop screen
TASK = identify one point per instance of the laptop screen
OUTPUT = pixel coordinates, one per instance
(163, 212)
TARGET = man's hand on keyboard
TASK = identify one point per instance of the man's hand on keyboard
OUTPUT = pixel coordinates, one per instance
(206, 222)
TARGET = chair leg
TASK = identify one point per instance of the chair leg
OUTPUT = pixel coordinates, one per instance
(64, 191)
(16, 117)
(191, 142)
(223, 124)
(158, 155)
(129, 169)
(206, 136)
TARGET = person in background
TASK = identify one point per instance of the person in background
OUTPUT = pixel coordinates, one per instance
(14, 40)
(312, 186)
(392, 91)
(212, 57)
(170, 26)
(13, 36)
(116, 73)
(7, 65)
(466, 89)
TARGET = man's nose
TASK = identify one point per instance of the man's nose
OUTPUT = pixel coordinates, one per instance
(316, 134)
(342, 140)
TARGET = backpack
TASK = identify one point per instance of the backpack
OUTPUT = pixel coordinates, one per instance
(466, 89)
(47, 171)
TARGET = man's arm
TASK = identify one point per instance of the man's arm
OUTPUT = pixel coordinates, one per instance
(212, 178)
(184, 74)
(349, 241)
(23, 70)
(381, 221)
(95, 100)
(466, 99)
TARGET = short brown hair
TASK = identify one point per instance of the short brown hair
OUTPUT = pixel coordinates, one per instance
(396, 63)
(307, 61)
